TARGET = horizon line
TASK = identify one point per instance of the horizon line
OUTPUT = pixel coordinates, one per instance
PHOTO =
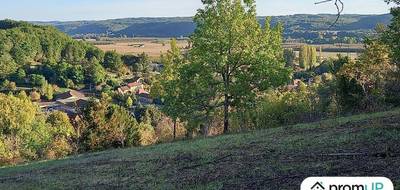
(158, 17)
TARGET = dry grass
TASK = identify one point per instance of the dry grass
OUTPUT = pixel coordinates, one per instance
(153, 48)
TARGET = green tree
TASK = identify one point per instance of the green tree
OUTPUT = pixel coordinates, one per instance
(165, 85)
(47, 91)
(241, 56)
(76, 74)
(19, 76)
(62, 134)
(7, 85)
(112, 60)
(37, 80)
(304, 57)
(95, 73)
(289, 55)
(129, 102)
(313, 56)
(369, 72)
(106, 125)
(24, 133)
(94, 53)
(392, 35)
(308, 57)
(144, 63)
(73, 52)
(7, 65)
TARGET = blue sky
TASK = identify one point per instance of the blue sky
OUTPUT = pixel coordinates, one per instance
(49, 10)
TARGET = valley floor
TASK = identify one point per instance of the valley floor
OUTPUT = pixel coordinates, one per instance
(279, 158)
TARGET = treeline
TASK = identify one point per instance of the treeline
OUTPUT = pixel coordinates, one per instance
(34, 56)
(314, 29)
(27, 133)
(39, 60)
(30, 54)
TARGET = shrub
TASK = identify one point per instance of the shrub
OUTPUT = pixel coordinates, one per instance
(281, 108)
(37, 80)
(35, 96)
(47, 91)
(58, 148)
(147, 135)
(106, 125)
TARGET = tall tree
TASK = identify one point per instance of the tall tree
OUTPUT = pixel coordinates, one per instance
(112, 60)
(392, 36)
(370, 70)
(232, 45)
(289, 56)
(313, 56)
(303, 57)
(165, 87)
(144, 63)
(308, 57)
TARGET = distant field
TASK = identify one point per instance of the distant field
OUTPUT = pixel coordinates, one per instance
(334, 54)
(153, 47)
(332, 50)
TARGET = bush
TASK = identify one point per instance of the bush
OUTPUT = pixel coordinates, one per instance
(106, 125)
(147, 135)
(37, 80)
(47, 91)
(283, 108)
(58, 148)
(35, 96)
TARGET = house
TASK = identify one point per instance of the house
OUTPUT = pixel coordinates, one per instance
(124, 90)
(318, 186)
(71, 101)
(133, 87)
(71, 96)
(141, 91)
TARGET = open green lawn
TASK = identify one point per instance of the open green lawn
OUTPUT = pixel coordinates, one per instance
(279, 158)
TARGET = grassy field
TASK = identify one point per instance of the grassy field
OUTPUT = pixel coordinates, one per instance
(152, 47)
(278, 158)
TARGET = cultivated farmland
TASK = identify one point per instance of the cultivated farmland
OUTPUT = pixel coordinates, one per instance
(154, 47)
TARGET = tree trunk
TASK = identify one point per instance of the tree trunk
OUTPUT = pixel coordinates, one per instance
(174, 129)
(226, 100)
(226, 114)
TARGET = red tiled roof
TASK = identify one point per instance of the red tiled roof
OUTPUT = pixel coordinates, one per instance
(142, 91)
(134, 84)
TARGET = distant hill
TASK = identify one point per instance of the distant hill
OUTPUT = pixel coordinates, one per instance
(300, 27)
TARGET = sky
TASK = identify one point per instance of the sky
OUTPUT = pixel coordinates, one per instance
(71, 10)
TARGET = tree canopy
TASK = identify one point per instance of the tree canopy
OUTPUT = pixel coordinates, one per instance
(241, 57)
